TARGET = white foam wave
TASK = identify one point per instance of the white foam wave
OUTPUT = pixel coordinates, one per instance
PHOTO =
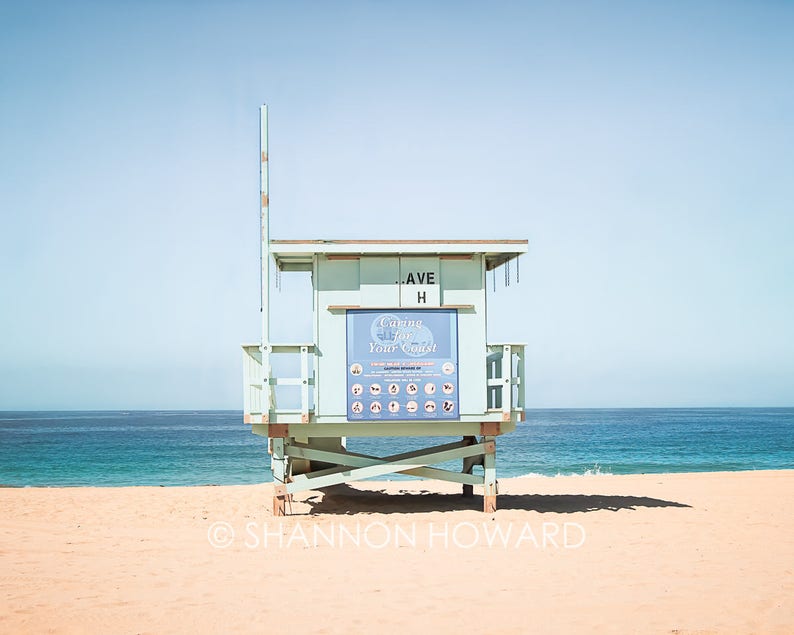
(596, 470)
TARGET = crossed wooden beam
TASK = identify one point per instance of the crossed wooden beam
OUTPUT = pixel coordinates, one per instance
(351, 466)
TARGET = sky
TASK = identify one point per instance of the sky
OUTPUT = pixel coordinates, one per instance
(645, 150)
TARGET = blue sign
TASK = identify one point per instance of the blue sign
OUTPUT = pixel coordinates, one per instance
(402, 364)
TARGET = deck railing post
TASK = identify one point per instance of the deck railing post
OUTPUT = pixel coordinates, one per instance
(507, 381)
(304, 384)
(520, 370)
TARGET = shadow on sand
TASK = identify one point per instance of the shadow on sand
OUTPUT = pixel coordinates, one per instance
(343, 499)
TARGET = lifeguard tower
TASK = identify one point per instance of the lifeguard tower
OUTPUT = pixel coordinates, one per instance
(399, 350)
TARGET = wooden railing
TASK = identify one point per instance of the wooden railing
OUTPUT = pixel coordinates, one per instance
(505, 382)
(257, 391)
(505, 372)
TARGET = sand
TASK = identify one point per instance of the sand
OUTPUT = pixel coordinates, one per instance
(683, 553)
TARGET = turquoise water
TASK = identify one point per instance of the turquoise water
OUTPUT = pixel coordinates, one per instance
(215, 447)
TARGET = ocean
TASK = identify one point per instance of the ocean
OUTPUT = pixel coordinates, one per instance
(56, 449)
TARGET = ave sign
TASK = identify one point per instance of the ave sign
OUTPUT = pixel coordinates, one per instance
(421, 277)
(400, 281)
(419, 285)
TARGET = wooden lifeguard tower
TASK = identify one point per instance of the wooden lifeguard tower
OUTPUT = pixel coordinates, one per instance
(399, 350)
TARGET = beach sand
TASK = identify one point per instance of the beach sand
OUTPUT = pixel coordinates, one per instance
(673, 553)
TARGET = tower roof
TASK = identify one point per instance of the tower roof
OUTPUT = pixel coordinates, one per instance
(297, 255)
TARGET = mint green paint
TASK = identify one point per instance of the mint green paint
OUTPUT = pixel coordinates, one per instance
(379, 275)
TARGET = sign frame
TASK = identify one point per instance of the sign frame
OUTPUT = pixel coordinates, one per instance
(402, 365)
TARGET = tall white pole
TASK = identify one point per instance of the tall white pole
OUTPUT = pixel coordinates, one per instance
(264, 257)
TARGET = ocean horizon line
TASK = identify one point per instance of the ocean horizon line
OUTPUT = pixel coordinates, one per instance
(527, 409)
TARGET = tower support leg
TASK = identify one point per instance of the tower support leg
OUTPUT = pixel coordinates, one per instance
(489, 484)
(468, 466)
(279, 464)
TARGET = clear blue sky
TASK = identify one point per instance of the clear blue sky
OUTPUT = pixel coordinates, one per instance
(646, 150)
